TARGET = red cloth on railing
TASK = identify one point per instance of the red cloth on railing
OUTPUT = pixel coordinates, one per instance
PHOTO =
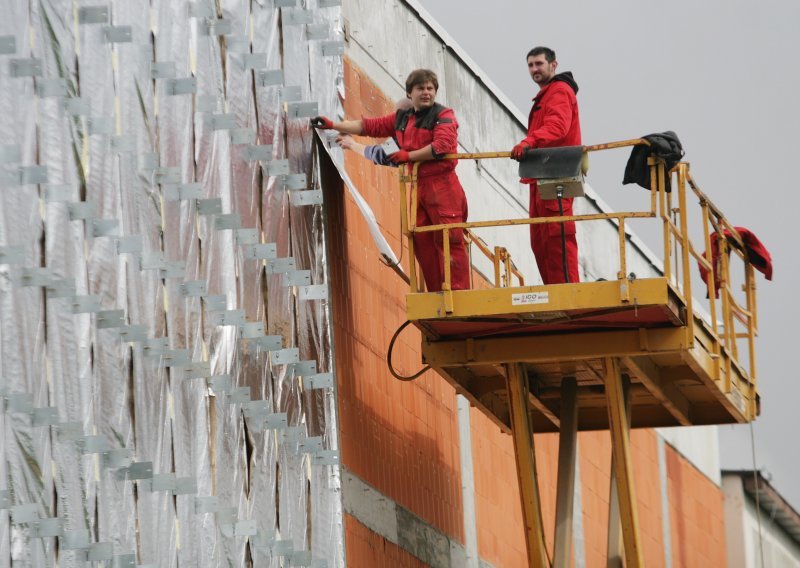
(755, 251)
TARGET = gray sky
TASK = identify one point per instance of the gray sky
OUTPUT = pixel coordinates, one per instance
(724, 75)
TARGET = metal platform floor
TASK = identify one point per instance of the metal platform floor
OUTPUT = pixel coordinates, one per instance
(678, 373)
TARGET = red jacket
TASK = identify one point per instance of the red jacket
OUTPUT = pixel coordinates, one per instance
(756, 253)
(436, 126)
(554, 120)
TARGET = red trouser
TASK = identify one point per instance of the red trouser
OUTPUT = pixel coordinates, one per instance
(441, 200)
(546, 239)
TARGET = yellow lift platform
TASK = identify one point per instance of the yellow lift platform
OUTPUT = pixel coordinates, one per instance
(621, 354)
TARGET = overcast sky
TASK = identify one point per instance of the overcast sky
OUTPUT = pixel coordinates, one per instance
(724, 75)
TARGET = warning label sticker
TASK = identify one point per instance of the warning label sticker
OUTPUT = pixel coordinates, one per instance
(530, 298)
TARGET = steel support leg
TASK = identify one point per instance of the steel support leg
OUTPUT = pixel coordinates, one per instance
(615, 550)
(565, 492)
(623, 467)
(517, 384)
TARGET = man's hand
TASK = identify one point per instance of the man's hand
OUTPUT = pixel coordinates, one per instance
(345, 142)
(322, 122)
(518, 152)
(399, 157)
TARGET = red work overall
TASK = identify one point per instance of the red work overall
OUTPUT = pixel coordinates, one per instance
(554, 121)
(440, 197)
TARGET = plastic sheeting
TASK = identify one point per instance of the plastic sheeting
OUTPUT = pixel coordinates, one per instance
(165, 348)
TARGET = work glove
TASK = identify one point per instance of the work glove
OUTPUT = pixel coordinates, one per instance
(322, 122)
(518, 152)
(399, 157)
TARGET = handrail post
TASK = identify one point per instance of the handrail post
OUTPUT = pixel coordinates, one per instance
(658, 181)
(687, 277)
(711, 285)
(406, 232)
(622, 275)
(496, 262)
(751, 335)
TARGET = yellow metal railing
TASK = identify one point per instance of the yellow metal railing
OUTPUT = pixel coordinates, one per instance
(730, 320)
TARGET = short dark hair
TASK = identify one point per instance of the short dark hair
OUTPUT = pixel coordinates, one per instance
(419, 77)
(548, 53)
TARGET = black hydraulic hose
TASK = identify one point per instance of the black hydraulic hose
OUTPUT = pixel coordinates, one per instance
(560, 194)
(389, 358)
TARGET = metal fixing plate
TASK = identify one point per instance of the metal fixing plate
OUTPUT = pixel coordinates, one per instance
(286, 356)
(125, 143)
(280, 265)
(228, 317)
(246, 236)
(254, 60)
(85, 304)
(332, 48)
(216, 303)
(163, 70)
(79, 210)
(306, 197)
(93, 14)
(75, 540)
(25, 67)
(206, 504)
(269, 77)
(257, 251)
(47, 88)
(251, 329)
(13, 254)
(8, 45)
(61, 289)
(295, 181)
(133, 333)
(118, 34)
(104, 227)
(241, 136)
(238, 395)
(227, 221)
(297, 278)
(313, 292)
(183, 86)
(107, 319)
(140, 470)
(290, 93)
(185, 486)
(193, 288)
(32, 175)
(278, 168)
(45, 416)
(318, 381)
(317, 31)
(130, 244)
(297, 17)
(100, 125)
(221, 384)
(212, 206)
(197, 370)
(302, 109)
(265, 343)
(305, 368)
(252, 153)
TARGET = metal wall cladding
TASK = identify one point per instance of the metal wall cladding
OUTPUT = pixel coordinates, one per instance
(156, 341)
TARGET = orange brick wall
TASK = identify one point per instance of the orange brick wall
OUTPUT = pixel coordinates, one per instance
(697, 516)
(402, 437)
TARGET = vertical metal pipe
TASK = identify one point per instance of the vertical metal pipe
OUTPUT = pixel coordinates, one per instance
(467, 483)
(565, 491)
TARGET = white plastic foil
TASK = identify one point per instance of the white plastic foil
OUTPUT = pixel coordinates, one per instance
(156, 359)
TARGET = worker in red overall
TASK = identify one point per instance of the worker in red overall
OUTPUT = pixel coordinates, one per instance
(425, 132)
(553, 121)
